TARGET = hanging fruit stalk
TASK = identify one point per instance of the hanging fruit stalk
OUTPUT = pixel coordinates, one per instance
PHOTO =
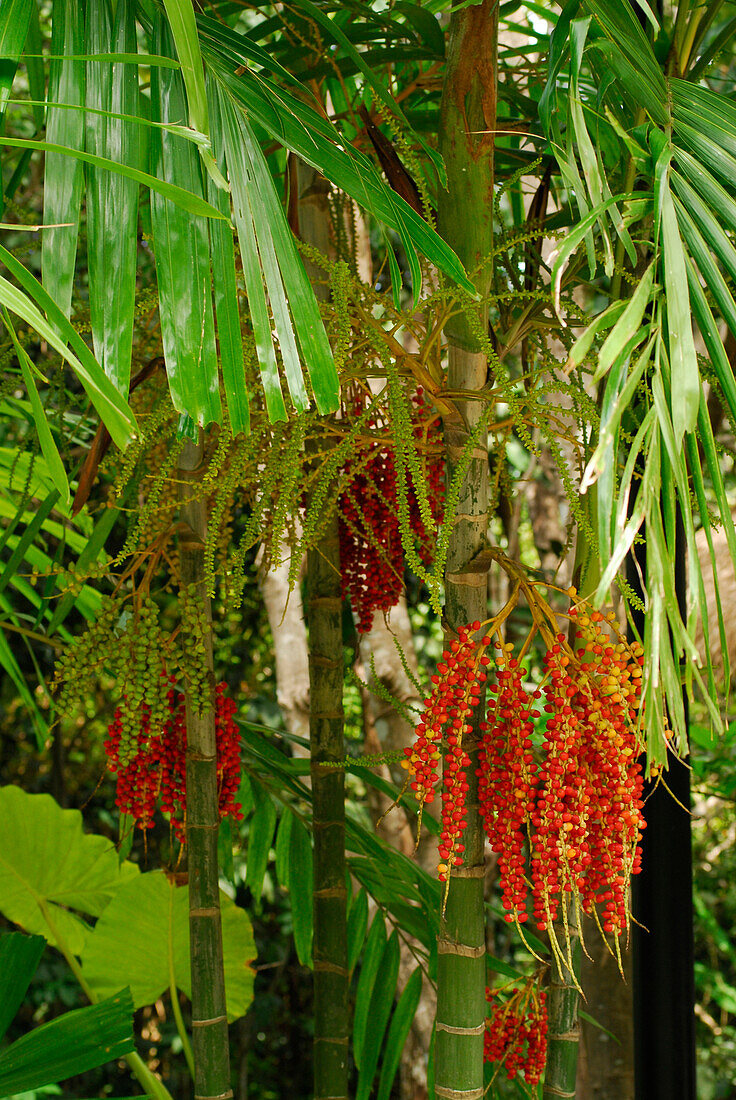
(468, 120)
(324, 620)
(209, 1017)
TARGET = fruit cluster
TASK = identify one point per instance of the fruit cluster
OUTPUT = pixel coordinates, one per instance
(371, 554)
(516, 1032)
(156, 770)
(559, 769)
(457, 689)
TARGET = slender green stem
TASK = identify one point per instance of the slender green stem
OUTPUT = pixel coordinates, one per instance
(209, 1015)
(563, 1036)
(468, 116)
(146, 1078)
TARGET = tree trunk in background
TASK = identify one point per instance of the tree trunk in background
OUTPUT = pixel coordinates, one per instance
(467, 125)
(606, 1068)
(286, 619)
(324, 619)
(209, 1019)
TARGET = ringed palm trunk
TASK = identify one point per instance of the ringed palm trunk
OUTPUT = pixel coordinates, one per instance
(468, 118)
(209, 1017)
(324, 619)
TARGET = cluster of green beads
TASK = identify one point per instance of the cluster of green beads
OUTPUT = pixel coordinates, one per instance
(79, 665)
(192, 650)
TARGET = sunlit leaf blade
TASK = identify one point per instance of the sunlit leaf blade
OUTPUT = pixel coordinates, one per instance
(372, 956)
(310, 330)
(62, 189)
(48, 445)
(237, 164)
(225, 287)
(50, 868)
(11, 668)
(35, 67)
(71, 1044)
(142, 939)
(19, 957)
(181, 247)
(294, 868)
(15, 17)
(302, 130)
(716, 197)
(398, 1032)
(708, 327)
(113, 409)
(384, 991)
(685, 388)
(184, 33)
(627, 38)
(112, 199)
(187, 200)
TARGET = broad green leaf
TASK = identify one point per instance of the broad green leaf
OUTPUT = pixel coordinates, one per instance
(716, 197)
(685, 389)
(71, 1044)
(184, 32)
(142, 940)
(260, 839)
(398, 1031)
(181, 248)
(382, 998)
(189, 200)
(627, 38)
(63, 179)
(425, 23)
(15, 17)
(709, 330)
(295, 873)
(225, 287)
(19, 957)
(112, 199)
(572, 241)
(584, 342)
(301, 129)
(113, 408)
(48, 445)
(237, 165)
(372, 956)
(302, 303)
(628, 324)
(708, 225)
(51, 871)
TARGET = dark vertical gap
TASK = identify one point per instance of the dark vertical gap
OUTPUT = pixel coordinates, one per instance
(663, 953)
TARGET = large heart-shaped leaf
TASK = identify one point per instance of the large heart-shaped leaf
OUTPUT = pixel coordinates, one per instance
(51, 871)
(142, 940)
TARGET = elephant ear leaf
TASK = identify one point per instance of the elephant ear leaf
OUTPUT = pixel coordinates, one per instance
(142, 940)
(52, 874)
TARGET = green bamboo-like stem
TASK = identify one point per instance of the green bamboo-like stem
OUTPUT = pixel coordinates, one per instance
(468, 120)
(563, 1036)
(209, 1018)
(145, 1077)
(324, 620)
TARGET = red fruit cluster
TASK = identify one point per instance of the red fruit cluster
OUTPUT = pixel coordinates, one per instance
(456, 691)
(507, 780)
(156, 770)
(371, 557)
(516, 1033)
(371, 554)
(564, 818)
